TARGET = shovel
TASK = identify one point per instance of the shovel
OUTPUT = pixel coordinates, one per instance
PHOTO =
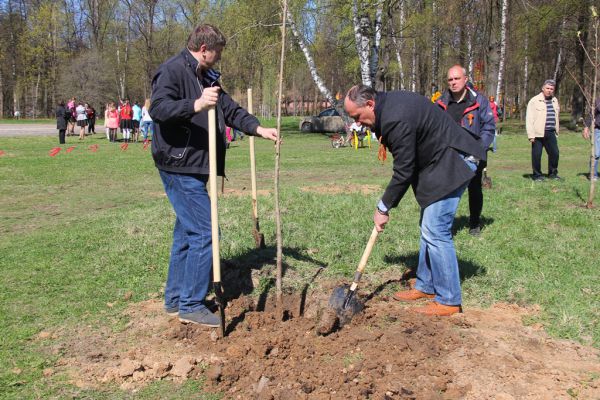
(259, 238)
(486, 181)
(343, 304)
(214, 216)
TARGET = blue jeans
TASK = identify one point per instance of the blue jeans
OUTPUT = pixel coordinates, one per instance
(438, 267)
(596, 150)
(190, 265)
(147, 126)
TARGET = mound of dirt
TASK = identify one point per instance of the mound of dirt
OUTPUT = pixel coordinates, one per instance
(385, 352)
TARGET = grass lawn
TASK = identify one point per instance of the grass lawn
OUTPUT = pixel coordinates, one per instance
(82, 229)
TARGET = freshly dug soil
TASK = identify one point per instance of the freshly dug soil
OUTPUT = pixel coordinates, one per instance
(384, 352)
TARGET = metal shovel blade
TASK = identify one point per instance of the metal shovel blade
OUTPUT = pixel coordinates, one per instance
(220, 300)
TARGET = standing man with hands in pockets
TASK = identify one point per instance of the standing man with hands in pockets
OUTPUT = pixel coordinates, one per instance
(542, 126)
(184, 88)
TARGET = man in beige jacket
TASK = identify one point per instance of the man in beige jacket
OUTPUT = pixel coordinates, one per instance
(542, 130)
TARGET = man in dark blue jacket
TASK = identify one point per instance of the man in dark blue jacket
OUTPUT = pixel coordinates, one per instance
(183, 89)
(438, 159)
(472, 111)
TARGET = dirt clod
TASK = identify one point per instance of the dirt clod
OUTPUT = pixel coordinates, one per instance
(183, 367)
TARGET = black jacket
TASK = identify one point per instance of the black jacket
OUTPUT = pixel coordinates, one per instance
(588, 120)
(426, 145)
(180, 141)
(62, 116)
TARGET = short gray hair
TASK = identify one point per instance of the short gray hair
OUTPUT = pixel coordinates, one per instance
(549, 82)
(360, 94)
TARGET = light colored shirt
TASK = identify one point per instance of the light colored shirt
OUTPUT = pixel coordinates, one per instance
(146, 116)
(81, 114)
(137, 112)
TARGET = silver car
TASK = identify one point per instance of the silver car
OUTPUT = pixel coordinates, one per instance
(328, 121)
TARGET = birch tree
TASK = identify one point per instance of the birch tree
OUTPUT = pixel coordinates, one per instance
(323, 89)
(503, 23)
(362, 26)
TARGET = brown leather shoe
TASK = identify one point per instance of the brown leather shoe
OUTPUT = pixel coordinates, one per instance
(434, 308)
(412, 295)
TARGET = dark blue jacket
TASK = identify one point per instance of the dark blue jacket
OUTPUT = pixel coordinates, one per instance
(478, 117)
(180, 141)
(426, 144)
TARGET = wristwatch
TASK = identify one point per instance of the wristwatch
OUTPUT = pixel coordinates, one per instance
(382, 209)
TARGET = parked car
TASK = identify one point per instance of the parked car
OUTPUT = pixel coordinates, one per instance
(328, 121)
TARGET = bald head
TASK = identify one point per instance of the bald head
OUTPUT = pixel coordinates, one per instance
(457, 80)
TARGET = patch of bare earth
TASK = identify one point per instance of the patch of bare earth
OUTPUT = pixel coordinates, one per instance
(386, 352)
(337, 189)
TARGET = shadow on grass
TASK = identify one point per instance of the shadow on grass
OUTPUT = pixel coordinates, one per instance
(467, 269)
(462, 222)
(237, 277)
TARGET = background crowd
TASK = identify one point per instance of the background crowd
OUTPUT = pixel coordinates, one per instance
(124, 118)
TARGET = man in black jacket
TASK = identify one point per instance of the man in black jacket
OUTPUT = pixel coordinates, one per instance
(438, 159)
(183, 89)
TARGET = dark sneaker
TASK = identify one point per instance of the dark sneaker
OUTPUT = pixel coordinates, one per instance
(538, 179)
(476, 231)
(201, 317)
(555, 177)
(172, 311)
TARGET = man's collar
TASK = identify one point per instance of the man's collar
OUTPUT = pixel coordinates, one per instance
(465, 96)
(379, 103)
(209, 76)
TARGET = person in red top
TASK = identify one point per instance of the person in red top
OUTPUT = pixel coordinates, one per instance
(126, 124)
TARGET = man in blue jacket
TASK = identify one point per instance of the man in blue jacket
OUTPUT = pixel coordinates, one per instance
(183, 89)
(472, 111)
(438, 159)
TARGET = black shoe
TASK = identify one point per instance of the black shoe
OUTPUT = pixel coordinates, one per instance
(538, 179)
(555, 177)
(475, 231)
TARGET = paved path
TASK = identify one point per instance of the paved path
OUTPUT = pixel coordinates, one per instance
(15, 130)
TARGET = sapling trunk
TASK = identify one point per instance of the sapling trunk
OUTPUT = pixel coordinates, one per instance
(277, 161)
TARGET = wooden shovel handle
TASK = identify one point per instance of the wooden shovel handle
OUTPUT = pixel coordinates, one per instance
(214, 215)
(367, 253)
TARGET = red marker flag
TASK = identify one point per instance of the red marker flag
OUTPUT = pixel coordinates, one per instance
(2, 153)
(146, 144)
(54, 151)
(70, 149)
(124, 146)
(93, 148)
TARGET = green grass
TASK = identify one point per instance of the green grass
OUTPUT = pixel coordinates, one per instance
(80, 230)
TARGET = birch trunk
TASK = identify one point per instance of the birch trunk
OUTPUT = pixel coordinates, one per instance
(525, 95)
(1, 95)
(376, 41)
(435, 48)
(502, 50)
(311, 62)
(413, 72)
(397, 40)
(36, 91)
(361, 36)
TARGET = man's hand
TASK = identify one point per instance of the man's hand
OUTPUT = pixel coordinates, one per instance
(586, 133)
(209, 98)
(380, 220)
(267, 133)
(531, 140)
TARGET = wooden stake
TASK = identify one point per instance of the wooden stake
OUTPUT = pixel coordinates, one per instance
(259, 238)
